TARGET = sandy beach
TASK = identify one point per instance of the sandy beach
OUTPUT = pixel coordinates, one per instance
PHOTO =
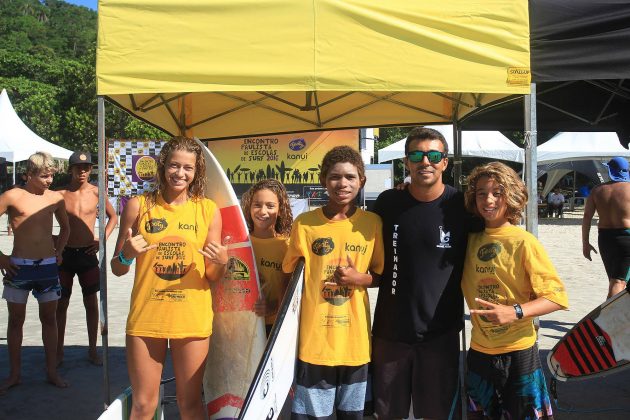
(586, 282)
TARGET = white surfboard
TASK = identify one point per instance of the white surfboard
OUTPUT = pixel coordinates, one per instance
(238, 335)
(120, 408)
(276, 371)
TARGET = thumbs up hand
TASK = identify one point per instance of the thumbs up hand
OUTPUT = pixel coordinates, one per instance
(347, 275)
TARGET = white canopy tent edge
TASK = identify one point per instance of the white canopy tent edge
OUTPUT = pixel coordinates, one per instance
(17, 141)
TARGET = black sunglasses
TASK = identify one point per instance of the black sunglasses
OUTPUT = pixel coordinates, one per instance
(434, 156)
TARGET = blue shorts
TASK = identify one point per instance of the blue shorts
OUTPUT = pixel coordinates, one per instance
(39, 276)
(323, 390)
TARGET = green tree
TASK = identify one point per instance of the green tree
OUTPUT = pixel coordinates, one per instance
(388, 136)
(47, 65)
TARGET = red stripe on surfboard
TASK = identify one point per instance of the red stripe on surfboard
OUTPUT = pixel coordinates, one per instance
(588, 347)
(233, 225)
(227, 400)
(573, 347)
(605, 349)
(562, 355)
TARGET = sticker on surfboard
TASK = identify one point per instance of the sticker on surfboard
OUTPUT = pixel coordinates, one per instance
(238, 335)
(598, 344)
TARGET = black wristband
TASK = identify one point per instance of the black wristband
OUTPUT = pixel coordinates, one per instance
(518, 310)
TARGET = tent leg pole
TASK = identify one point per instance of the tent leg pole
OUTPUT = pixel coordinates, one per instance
(531, 164)
(457, 156)
(102, 248)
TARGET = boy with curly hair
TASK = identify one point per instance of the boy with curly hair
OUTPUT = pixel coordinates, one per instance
(508, 280)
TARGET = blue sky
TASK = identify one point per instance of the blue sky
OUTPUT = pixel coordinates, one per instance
(88, 3)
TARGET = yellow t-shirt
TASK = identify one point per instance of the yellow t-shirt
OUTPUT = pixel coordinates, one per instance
(171, 296)
(507, 265)
(335, 320)
(269, 253)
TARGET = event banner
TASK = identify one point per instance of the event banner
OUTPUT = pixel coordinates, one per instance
(293, 159)
(131, 166)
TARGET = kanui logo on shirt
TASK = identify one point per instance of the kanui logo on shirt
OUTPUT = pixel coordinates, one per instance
(322, 246)
(489, 251)
(155, 225)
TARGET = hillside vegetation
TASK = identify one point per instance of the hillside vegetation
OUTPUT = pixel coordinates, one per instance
(47, 66)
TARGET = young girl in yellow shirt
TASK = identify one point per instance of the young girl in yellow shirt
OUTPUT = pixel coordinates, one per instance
(268, 214)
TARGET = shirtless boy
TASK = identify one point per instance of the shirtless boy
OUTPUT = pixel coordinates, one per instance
(32, 265)
(612, 203)
(79, 256)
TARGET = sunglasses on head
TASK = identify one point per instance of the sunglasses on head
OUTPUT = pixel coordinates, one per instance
(434, 156)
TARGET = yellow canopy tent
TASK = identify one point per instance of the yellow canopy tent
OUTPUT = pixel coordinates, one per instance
(225, 68)
(228, 68)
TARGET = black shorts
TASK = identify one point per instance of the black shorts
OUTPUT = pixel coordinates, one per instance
(614, 247)
(77, 262)
(424, 374)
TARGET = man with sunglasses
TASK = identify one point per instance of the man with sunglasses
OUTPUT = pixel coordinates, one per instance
(419, 312)
(612, 203)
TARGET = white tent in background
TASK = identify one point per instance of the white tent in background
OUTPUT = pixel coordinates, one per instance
(486, 144)
(17, 141)
(581, 146)
(556, 155)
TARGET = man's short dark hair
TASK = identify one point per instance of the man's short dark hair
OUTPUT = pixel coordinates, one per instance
(423, 133)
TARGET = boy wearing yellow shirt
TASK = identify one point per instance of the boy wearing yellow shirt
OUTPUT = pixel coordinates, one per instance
(343, 250)
(508, 280)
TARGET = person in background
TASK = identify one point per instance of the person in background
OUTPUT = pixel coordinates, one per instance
(555, 203)
(611, 201)
(32, 265)
(268, 215)
(79, 255)
(175, 234)
(508, 280)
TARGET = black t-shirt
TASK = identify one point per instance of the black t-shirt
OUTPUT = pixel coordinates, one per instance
(425, 245)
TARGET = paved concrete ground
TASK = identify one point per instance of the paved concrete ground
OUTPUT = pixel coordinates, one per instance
(33, 399)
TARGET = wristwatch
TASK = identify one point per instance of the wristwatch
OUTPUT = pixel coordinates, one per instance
(518, 310)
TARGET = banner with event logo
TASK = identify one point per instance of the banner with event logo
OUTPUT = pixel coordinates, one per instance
(293, 159)
(131, 166)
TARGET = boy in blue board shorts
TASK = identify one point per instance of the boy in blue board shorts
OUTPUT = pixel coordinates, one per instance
(343, 251)
(32, 265)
